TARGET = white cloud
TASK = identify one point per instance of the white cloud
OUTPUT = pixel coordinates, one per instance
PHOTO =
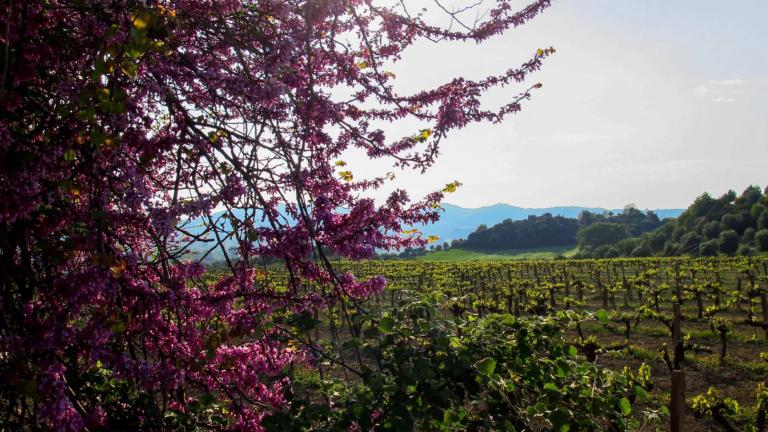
(579, 138)
(722, 90)
(728, 82)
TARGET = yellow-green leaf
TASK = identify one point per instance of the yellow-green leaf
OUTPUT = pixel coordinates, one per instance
(451, 187)
(69, 155)
(625, 406)
(141, 21)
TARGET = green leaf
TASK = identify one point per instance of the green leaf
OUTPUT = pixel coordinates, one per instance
(552, 387)
(451, 187)
(486, 366)
(561, 420)
(455, 342)
(386, 324)
(143, 20)
(352, 344)
(640, 392)
(625, 406)
(69, 155)
(206, 399)
(135, 50)
(304, 321)
(118, 327)
(602, 315)
(371, 332)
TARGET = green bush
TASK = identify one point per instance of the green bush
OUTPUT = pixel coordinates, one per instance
(729, 242)
(761, 240)
(499, 372)
(709, 248)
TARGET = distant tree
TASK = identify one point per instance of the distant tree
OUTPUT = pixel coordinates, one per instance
(761, 240)
(711, 230)
(626, 246)
(747, 220)
(701, 206)
(729, 242)
(643, 250)
(535, 231)
(762, 220)
(709, 248)
(689, 243)
(446, 246)
(586, 218)
(671, 248)
(757, 210)
(604, 251)
(746, 250)
(737, 221)
(656, 240)
(731, 221)
(600, 234)
(748, 198)
(748, 238)
(678, 232)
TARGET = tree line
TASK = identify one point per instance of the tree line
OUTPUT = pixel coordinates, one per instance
(731, 224)
(728, 225)
(551, 231)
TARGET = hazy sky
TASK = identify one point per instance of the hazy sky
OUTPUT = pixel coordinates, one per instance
(646, 101)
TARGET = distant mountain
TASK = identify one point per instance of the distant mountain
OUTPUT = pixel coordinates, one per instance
(457, 222)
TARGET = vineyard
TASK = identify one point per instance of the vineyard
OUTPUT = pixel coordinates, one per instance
(649, 319)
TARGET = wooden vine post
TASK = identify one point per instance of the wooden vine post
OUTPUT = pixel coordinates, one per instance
(677, 402)
(764, 297)
(677, 336)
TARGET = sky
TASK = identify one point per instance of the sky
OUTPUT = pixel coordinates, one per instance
(650, 102)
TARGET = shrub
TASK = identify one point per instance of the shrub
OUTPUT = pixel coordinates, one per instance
(709, 248)
(761, 240)
(729, 242)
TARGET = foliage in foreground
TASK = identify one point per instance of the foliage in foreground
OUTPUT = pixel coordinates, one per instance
(498, 372)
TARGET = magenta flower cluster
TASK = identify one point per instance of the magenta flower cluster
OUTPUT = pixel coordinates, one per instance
(121, 121)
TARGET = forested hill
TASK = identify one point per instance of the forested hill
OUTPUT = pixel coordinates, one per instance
(731, 224)
(458, 222)
(549, 231)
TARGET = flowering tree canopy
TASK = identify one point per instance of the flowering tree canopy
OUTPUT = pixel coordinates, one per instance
(121, 120)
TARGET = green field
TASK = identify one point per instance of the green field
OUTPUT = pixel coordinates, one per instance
(458, 255)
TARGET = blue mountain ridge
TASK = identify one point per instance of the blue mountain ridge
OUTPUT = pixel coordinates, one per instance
(455, 221)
